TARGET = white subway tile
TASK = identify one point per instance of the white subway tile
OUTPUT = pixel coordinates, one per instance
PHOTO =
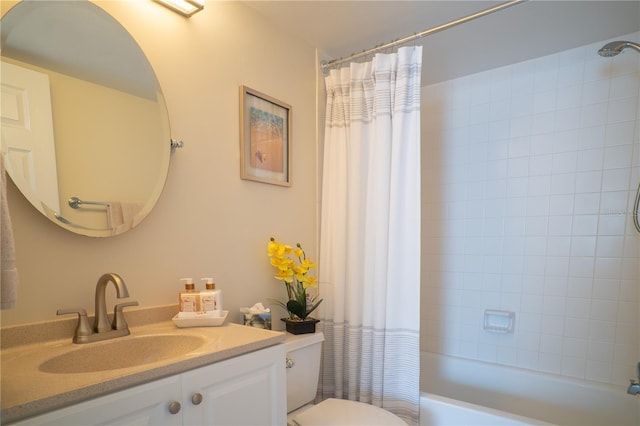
(627, 312)
(557, 265)
(611, 224)
(541, 144)
(560, 225)
(621, 133)
(553, 305)
(590, 160)
(564, 183)
(593, 115)
(613, 203)
(596, 68)
(598, 371)
(604, 310)
(574, 347)
(550, 344)
(610, 246)
(619, 156)
(606, 289)
(588, 203)
(550, 363)
(546, 101)
(546, 79)
(564, 162)
(583, 246)
(624, 85)
(578, 307)
(576, 328)
(561, 204)
(592, 137)
(533, 266)
(521, 105)
(585, 225)
(566, 140)
(580, 287)
(543, 123)
(581, 267)
(569, 96)
(600, 330)
(615, 180)
(573, 367)
(596, 91)
(568, 119)
(621, 110)
(630, 269)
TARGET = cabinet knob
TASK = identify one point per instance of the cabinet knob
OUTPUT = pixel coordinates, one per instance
(289, 363)
(174, 407)
(196, 398)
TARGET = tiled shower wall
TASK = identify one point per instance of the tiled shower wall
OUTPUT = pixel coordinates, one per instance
(529, 178)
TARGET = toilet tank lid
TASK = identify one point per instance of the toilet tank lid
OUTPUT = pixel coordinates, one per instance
(297, 341)
(341, 412)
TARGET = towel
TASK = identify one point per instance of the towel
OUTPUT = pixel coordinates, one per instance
(121, 216)
(9, 272)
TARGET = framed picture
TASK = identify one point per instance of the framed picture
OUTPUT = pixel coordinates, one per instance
(265, 138)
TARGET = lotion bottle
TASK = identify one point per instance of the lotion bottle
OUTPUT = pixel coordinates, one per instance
(211, 299)
(189, 297)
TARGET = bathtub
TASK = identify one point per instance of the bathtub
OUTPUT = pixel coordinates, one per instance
(481, 390)
(436, 410)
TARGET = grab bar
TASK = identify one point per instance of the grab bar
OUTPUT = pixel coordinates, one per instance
(76, 202)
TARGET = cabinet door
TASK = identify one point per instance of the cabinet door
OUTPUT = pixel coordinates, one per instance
(146, 404)
(245, 390)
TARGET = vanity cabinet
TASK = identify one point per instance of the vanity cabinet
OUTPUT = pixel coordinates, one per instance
(246, 390)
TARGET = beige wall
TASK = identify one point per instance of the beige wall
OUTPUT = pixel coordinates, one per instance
(208, 222)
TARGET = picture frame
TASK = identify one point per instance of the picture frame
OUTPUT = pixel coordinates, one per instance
(265, 138)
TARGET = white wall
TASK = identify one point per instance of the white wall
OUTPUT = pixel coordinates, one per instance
(208, 222)
(529, 175)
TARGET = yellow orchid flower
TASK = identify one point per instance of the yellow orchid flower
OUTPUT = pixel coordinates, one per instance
(308, 264)
(294, 275)
(310, 282)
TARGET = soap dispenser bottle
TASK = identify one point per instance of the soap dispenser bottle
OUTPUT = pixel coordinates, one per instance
(189, 297)
(211, 298)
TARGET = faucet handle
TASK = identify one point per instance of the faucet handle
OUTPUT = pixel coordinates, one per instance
(83, 329)
(119, 323)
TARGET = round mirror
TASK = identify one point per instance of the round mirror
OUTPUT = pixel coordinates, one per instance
(85, 130)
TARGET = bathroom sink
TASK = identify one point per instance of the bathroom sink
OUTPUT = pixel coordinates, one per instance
(121, 353)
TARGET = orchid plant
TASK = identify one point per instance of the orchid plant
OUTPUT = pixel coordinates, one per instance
(294, 273)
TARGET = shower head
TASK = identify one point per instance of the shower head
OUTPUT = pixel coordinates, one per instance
(615, 47)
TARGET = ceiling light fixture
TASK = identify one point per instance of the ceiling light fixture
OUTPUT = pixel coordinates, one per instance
(183, 7)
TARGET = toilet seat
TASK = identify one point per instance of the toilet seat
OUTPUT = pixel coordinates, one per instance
(340, 412)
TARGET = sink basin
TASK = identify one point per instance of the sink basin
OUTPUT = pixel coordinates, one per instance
(121, 353)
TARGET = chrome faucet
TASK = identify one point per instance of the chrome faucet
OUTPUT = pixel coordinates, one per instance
(102, 329)
(634, 386)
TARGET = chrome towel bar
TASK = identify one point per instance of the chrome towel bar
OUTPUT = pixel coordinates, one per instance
(76, 203)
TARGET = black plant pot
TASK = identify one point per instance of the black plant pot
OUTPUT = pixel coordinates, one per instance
(305, 326)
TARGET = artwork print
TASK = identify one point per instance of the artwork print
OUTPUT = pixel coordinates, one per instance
(265, 138)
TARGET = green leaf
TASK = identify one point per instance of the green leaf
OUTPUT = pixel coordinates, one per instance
(297, 308)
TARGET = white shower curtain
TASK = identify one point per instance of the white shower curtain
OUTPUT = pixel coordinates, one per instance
(370, 233)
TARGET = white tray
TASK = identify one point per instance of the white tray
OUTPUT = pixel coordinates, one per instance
(200, 322)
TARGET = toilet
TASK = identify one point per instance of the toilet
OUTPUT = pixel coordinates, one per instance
(303, 370)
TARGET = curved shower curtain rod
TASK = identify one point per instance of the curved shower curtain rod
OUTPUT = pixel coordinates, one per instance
(326, 65)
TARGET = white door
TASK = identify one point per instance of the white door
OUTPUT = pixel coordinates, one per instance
(27, 141)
